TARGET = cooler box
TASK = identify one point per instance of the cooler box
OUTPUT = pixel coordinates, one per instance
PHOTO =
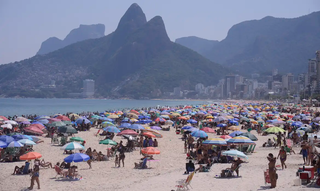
(308, 169)
(305, 175)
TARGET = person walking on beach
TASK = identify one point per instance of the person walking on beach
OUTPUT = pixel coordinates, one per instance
(283, 157)
(35, 177)
(272, 170)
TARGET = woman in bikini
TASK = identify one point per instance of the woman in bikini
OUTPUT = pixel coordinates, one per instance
(283, 157)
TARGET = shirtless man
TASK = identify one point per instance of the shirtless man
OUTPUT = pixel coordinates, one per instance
(272, 170)
(283, 157)
(305, 149)
(295, 137)
(279, 137)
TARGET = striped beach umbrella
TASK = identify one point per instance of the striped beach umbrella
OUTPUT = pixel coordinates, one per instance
(235, 153)
(215, 141)
(199, 134)
(15, 144)
(240, 140)
(3, 144)
(111, 129)
(72, 146)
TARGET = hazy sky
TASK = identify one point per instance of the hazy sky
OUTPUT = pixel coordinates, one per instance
(25, 24)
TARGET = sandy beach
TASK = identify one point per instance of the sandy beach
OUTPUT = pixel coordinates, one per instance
(165, 171)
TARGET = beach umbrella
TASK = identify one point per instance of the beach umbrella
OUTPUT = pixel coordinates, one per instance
(111, 129)
(214, 141)
(43, 121)
(160, 120)
(155, 132)
(79, 139)
(128, 132)
(208, 130)
(30, 156)
(221, 125)
(108, 142)
(67, 129)
(6, 139)
(155, 127)
(21, 119)
(7, 125)
(240, 140)
(235, 153)
(125, 125)
(81, 119)
(150, 151)
(56, 124)
(300, 133)
(169, 122)
(114, 116)
(10, 122)
(19, 136)
(76, 116)
(234, 128)
(187, 128)
(72, 146)
(33, 130)
(26, 142)
(235, 133)
(199, 134)
(15, 144)
(25, 122)
(136, 126)
(225, 137)
(3, 144)
(3, 118)
(250, 136)
(148, 134)
(274, 130)
(192, 121)
(77, 157)
(107, 123)
(220, 118)
(63, 118)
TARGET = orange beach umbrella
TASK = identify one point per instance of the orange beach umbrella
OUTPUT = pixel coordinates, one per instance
(150, 151)
(30, 156)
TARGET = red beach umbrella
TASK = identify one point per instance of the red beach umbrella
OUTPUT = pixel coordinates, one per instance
(208, 130)
(128, 132)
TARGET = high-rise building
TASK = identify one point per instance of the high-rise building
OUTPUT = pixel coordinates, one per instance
(88, 88)
(274, 72)
(199, 88)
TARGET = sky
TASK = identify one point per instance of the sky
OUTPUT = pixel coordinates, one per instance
(24, 25)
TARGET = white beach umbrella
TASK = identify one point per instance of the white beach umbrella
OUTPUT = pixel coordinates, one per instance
(8, 126)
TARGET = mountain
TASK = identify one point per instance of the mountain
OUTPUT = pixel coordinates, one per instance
(200, 45)
(84, 32)
(262, 45)
(136, 60)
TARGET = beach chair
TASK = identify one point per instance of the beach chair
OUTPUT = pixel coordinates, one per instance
(63, 141)
(60, 171)
(185, 184)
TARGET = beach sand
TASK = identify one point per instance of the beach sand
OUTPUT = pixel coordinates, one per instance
(163, 175)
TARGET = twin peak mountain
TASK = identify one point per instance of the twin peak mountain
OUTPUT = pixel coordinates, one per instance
(136, 60)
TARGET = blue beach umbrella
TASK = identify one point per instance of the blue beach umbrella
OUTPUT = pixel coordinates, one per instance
(187, 127)
(80, 120)
(199, 134)
(43, 121)
(6, 139)
(192, 121)
(3, 144)
(111, 129)
(221, 125)
(15, 144)
(136, 126)
(235, 133)
(125, 125)
(215, 141)
(77, 157)
(26, 142)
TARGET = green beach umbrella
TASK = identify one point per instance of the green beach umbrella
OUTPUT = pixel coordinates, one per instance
(274, 130)
(76, 139)
(108, 142)
(250, 136)
(67, 129)
(56, 124)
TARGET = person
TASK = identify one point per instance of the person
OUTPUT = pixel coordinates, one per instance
(121, 156)
(283, 157)
(45, 164)
(305, 137)
(116, 161)
(189, 167)
(272, 170)
(295, 137)
(234, 167)
(304, 151)
(89, 153)
(19, 170)
(35, 177)
(150, 142)
(279, 137)
(155, 143)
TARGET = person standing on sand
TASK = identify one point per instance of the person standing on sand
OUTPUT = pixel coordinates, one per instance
(283, 157)
(272, 170)
(35, 177)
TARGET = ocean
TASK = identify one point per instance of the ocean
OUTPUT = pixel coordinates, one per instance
(23, 106)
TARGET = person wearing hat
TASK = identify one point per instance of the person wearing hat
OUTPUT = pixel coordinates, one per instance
(272, 170)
